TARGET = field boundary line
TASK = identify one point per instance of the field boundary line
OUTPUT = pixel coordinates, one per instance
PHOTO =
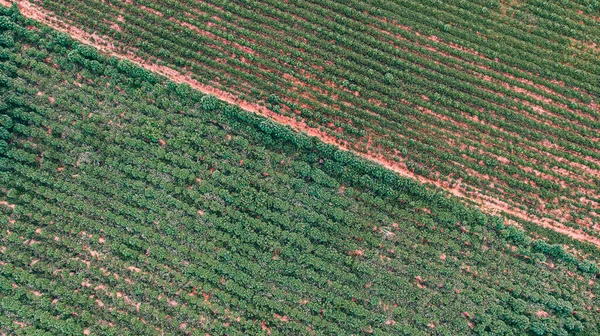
(488, 206)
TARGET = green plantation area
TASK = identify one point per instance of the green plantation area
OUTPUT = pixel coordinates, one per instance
(499, 99)
(130, 205)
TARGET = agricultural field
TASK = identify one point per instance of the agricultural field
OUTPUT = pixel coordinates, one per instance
(133, 205)
(495, 101)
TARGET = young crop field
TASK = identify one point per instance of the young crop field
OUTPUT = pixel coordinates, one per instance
(132, 205)
(495, 101)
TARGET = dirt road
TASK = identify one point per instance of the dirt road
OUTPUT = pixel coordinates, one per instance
(105, 45)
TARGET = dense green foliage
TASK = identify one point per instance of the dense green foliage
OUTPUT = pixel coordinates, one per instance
(135, 206)
(498, 98)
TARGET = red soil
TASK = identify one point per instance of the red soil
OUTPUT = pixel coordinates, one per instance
(487, 203)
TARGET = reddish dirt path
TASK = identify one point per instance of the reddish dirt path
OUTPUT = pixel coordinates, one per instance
(104, 44)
